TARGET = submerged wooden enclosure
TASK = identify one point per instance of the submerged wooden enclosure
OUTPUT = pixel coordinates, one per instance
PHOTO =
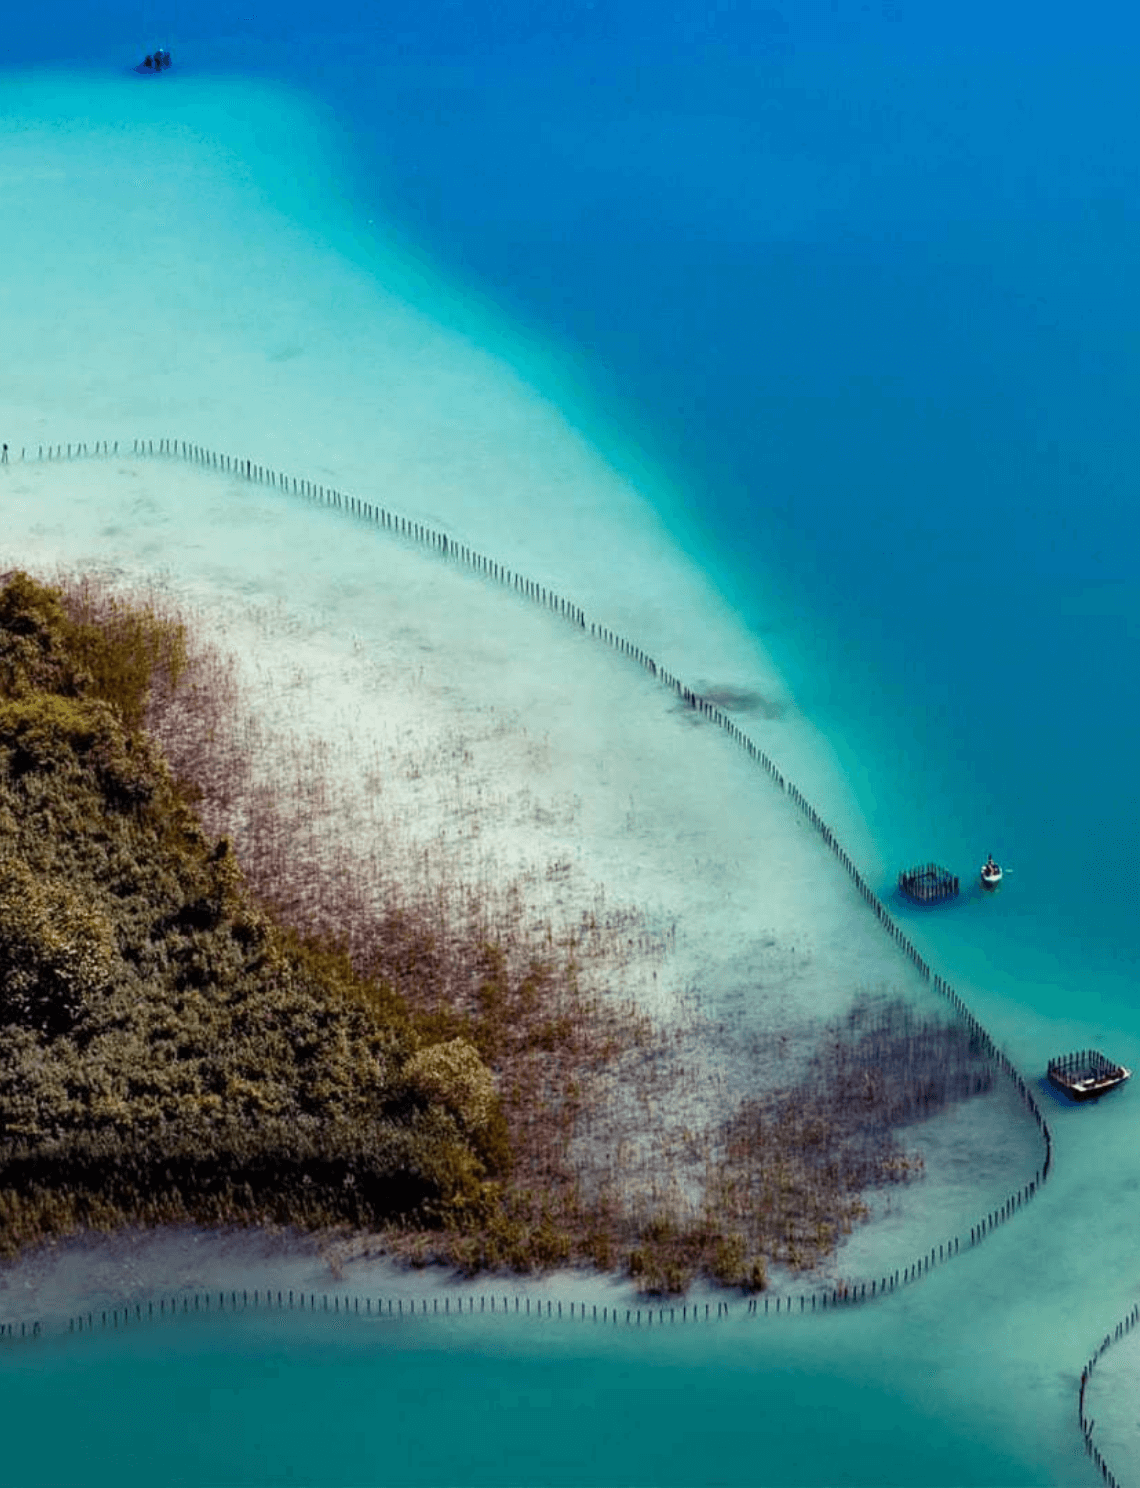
(928, 884)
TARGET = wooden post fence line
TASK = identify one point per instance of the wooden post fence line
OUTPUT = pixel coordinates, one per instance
(447, 547)
(1086, 1423)
(27, 1331)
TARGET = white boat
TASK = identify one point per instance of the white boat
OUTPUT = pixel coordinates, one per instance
(991, 873)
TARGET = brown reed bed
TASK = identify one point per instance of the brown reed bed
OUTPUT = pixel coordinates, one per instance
(608, 1139)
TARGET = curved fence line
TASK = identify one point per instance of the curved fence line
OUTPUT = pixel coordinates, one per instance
(448, 547)
(1122, 1329)
(459, 1304)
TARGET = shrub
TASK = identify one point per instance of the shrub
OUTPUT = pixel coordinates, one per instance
(56, 951)
(454, 1074)
(727, 1264)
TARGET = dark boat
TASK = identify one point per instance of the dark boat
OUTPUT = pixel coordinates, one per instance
(154, 62)
(1086, 1075)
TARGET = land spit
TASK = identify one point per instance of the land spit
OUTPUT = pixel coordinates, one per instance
(408, 739)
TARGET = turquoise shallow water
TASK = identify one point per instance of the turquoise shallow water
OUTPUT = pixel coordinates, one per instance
(283, 1400)
(853, 296)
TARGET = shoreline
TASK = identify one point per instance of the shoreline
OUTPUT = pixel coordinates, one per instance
(132, 1266)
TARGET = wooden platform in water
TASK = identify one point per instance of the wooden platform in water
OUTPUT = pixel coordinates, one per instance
(928, 884)
(1087, 1074)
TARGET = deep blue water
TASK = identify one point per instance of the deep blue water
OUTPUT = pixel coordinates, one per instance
(872, 308)
(853, 289)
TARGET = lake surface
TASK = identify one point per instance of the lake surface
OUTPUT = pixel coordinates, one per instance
(849, 293)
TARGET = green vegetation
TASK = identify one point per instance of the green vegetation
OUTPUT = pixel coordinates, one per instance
(199, 1018)
(166, 1048)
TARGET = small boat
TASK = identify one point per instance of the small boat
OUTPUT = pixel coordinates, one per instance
(991, 873)
(1086, 1075)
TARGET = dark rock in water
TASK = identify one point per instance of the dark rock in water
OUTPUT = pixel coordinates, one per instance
(741, 700)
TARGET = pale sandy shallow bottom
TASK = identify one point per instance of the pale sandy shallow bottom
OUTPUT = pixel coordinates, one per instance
(466, 730)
